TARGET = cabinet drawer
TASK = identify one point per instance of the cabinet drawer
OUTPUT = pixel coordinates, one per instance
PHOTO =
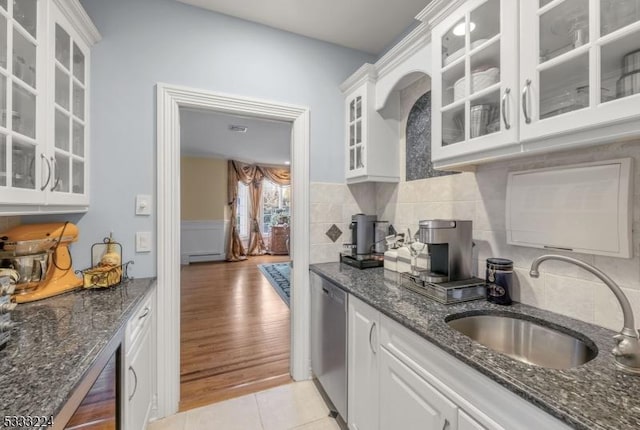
(140, 320)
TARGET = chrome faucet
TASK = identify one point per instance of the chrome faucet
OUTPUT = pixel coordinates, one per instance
(627, 351)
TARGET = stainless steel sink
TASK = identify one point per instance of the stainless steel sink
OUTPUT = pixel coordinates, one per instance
(526, 340)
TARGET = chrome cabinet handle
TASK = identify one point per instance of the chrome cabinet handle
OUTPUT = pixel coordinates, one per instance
(135, 385)
(445, 424)
(48, 170)
(145, 313)
(55, 174)
(373, 326)
(525, 99)
(504, 108)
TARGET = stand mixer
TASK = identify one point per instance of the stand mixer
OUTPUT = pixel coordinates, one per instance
(39, 253)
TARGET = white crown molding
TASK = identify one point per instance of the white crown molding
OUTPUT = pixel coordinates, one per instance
(75, 13)
(367, 72)
(437, 10)
(418, 38)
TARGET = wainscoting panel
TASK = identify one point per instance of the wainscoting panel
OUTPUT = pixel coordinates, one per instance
(203, 241)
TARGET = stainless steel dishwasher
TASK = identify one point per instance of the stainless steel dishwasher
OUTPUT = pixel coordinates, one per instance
(329, 340)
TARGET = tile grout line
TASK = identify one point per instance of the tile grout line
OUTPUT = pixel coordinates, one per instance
(255, 399)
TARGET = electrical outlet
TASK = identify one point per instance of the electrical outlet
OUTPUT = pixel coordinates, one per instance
(143, 241)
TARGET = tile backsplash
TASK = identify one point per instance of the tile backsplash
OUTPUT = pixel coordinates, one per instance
(480, 197)
(6, 222)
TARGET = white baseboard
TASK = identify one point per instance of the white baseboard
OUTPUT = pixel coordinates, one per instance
(203, 241)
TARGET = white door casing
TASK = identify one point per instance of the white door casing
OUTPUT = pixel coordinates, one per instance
(169, 100)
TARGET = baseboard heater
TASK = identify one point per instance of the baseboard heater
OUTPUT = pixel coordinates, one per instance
(203, 241)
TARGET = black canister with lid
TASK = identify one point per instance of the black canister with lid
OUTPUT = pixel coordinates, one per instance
(499, 278)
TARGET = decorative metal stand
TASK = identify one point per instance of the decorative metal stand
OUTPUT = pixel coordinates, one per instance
(107, 270)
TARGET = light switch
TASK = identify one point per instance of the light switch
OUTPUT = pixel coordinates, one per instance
(143, 241)
(143, 204)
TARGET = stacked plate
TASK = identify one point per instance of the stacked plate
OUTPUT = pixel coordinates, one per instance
(480, 79)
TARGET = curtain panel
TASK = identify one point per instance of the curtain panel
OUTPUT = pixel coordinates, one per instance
(251, 175)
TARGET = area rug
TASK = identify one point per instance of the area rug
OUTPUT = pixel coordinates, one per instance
(278, 275)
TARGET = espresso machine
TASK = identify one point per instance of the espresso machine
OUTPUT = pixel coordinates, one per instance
(449, 278)
(38, 256)
(361, 252)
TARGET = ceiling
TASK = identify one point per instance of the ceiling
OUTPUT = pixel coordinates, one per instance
(365, 25)
(207, 134)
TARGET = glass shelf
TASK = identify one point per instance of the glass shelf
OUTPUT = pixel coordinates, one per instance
(563, 28)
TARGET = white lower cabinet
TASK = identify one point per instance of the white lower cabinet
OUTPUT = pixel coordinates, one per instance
(398, 380)
(363, 353)
(465, 422)
(408, 402)
(139, 367)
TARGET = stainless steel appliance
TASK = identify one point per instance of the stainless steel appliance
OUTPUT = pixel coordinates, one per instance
(361, 252)
(449, 279)
(450, 245)
(329, 340)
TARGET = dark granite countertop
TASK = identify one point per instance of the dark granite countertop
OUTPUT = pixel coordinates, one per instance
(594, 395)
(56, 341)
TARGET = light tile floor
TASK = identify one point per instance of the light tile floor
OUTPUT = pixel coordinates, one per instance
(296, 406)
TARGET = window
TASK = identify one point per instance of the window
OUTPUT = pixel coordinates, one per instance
(242, 219)
(276, 204)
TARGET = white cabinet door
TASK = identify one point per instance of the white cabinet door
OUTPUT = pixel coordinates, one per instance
(139, 384)
(465, 422)
(571, 60)
(23, 157)
(408, 402)
(475, 79)
(68, 113)
(356, 133)
(139, 366)
(364, 350)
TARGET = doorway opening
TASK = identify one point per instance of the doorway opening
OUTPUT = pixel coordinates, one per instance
(170, 100)
(235, 201)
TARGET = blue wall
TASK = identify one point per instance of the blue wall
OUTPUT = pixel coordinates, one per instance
(150, 41)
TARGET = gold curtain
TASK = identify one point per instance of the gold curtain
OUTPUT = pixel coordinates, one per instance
(235, 250)
(256, 242)
(251, 175)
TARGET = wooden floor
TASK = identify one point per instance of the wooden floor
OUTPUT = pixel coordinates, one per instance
(234, 333)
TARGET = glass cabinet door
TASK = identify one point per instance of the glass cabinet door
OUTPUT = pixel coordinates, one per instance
(477, 73)
(20, 147)
(69, 114)
(584, 63)
(355, 140)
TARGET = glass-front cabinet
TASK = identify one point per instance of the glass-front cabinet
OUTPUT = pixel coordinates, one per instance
(579, 65)
(43, 106)
(371, 141)
(355, 142)
(23, 158)
(475, 79)
(68, 114)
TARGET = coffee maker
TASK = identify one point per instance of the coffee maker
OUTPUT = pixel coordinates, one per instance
(451, 247)
(360, 252)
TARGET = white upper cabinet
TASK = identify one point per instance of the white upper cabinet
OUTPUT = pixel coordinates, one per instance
(533, 76)
(572, 73)
(372, 149)
(44, 85)
(475, 79)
